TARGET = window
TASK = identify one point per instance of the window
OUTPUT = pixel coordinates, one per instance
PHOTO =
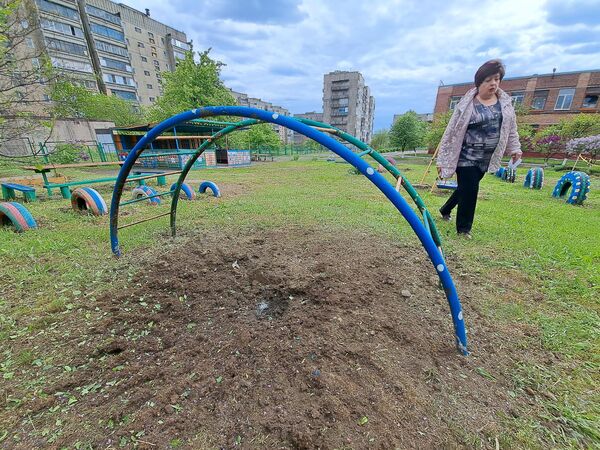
(108, 32)
(178, 55)
(151, 41)
(29, 42)
(343, 101)
(35, 62)
(62, 28)
(149, 86)
(343, 110)
(115, 64)
(66, 47)
(454, 101)
(186, 47)
(564, 99)
(109, 48)
(141, 45)
(156, 63)
(138, 30)
(162, 39)
(517, 98)
(151, 99)
(118, 79)
(154, 55)
(150, 34)
(126, 95)
(55, 8)
(97, 12)
(539, 100)
(90, 84)
(590, 101)
(146, 73)
(71, 65)
(144, 59)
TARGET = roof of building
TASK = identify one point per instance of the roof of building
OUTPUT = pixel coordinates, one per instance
(529, 76)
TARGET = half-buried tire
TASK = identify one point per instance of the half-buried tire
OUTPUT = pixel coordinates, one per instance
(146, 192)
(16, 215)
(573, 186)
(186, 192)
(88, 200)
(534, 178)
(209, 185)
(509, 175)
(500, 172)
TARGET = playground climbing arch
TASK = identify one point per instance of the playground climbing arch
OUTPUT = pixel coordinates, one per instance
(424, 229)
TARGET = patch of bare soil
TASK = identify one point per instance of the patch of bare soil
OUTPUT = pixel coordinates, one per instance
(281, 339)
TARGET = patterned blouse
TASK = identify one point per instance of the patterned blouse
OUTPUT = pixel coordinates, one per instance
(482, 136)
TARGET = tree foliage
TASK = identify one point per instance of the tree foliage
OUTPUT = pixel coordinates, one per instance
(580, 125)
(381, 140)
(259, 136)
(72, 100)
(408, 132)
(436, 129)
(191, 85)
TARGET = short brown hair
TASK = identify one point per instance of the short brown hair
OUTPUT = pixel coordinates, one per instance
(492, 67)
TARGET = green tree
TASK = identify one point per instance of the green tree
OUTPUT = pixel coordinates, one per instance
(436, 129)
(191, 85)
(407, 131)
(580, 125)
(72, 100)
(259, 136)
(381, 140)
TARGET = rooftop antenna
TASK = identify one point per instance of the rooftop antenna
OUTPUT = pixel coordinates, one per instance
(441, 83)
(553, 72)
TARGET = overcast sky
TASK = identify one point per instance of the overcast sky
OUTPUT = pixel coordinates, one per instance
(278, 50)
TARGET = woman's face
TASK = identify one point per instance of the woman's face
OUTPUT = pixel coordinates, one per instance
(490, 85)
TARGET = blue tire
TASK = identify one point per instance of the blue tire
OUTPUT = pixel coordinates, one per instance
(209, 185)
(573, 186)
(534, 178)
(500, 172)
(146, 191)
(88, 200)
(186, 193)
(15, 214)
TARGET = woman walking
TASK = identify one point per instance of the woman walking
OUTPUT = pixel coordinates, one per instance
(482, 129)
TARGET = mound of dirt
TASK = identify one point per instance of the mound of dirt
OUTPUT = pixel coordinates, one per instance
(285, 339)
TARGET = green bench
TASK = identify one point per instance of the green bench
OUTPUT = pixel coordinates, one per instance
(66, 192)
(8, 191)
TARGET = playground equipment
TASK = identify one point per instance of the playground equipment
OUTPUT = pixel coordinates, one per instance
(86, 199)
(15, 214)
(579, 185)
(500, 172)
(440, 183)
(534, 178)
(186, 192)
(425, 230)
(509, 175)
(147, 193)
(209, 185)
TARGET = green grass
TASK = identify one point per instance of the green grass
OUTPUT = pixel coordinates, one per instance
(542, 252)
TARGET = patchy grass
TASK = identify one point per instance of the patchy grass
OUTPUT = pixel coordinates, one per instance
(542, 255)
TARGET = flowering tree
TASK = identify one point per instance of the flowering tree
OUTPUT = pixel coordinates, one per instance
(547, 145)
(589, 145)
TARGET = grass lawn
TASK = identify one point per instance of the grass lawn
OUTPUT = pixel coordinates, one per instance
(541, 253)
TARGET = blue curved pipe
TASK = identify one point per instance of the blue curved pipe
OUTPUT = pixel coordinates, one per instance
(377, 179)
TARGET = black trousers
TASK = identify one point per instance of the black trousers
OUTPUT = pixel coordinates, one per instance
(465, 196)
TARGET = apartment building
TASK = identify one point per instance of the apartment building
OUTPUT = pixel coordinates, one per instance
(242, 99)
(348, 104)
(298, 138)
(549, 97)
(106, 46)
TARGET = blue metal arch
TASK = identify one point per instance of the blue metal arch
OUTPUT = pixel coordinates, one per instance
(377, 179)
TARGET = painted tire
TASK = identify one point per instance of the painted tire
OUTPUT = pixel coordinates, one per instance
(15, 214)
(534, 178)
(146, 191)
(209, 185)
(186, 193)
(88, 200)
(576, 184)
(500, 172)
(509, 175)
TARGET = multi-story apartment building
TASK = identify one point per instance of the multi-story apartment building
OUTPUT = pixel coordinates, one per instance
(298, 138)
(106, 46)
(348, 104)
(285, 134)
(548, 97)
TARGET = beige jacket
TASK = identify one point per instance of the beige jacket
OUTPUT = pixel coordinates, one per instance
(451, 143)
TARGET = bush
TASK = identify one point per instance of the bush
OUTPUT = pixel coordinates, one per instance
(68, 154)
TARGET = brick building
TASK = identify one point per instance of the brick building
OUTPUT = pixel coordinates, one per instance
(549, 97)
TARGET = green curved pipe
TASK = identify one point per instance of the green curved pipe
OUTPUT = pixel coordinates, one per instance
(367, 150)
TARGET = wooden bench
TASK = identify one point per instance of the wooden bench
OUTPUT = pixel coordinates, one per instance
(8, 191)
(262, 156)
